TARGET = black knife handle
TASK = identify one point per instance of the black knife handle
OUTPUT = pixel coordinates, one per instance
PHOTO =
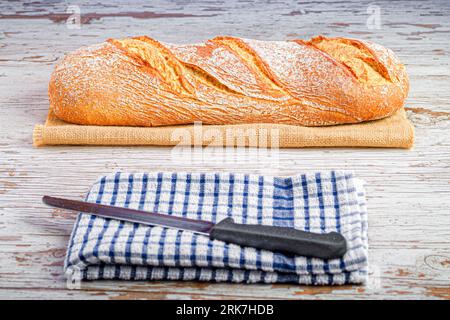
(287, 240)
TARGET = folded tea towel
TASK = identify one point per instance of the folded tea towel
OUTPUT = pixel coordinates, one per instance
(318, 202)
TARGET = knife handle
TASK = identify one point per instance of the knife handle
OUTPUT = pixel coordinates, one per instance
(282, 239)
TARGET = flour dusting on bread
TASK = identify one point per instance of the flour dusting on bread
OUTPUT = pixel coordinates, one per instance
(228, 80)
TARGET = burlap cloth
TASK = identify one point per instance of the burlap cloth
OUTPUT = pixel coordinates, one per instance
(392, 132)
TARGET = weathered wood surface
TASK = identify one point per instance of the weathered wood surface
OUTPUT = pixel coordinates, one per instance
(408, 190)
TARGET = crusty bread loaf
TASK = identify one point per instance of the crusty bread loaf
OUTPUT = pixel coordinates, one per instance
(143, 82)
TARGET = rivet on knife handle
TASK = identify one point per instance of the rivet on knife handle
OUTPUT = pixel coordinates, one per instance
(287, 240)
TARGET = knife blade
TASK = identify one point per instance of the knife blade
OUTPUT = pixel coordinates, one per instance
(278, 239)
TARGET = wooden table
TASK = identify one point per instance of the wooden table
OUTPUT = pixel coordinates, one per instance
(408, 190)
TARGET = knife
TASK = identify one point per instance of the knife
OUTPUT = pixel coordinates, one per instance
(281, 239)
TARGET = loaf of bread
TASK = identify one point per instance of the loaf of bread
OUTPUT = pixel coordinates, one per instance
(142, 82)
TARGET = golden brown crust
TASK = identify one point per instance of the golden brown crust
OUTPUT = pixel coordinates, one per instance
(142, 82)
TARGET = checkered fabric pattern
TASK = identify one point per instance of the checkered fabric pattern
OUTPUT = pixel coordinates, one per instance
(318, 202)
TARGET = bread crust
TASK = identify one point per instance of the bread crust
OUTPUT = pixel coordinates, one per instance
(226, 80)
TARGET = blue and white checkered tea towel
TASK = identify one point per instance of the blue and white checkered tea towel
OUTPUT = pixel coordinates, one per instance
(318, 202)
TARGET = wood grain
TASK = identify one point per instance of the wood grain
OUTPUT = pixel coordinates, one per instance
(408, 191)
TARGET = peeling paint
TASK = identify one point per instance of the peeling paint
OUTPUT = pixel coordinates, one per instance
(87, 18)
(438, 292)
(429, 112)
(403, 273)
